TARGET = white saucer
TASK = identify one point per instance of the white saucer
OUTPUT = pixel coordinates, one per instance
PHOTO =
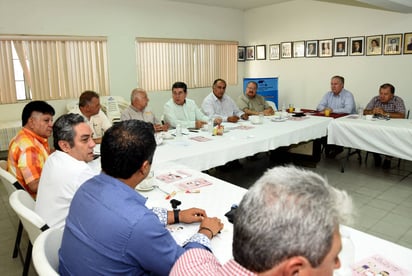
(144, 189)
(279, 119)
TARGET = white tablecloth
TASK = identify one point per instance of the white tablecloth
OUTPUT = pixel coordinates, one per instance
(239, 143)
(390, 137)
(217, 199)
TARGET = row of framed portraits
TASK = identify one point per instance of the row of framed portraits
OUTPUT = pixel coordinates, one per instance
(389, 44)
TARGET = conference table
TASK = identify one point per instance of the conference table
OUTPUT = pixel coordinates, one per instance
(217, 198)
(202, 151)
(390, 137)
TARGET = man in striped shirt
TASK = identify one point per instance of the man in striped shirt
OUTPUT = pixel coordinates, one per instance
(29, 149)
(286, 224)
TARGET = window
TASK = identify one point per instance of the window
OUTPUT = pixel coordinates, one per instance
(51, 67)
(161, 62)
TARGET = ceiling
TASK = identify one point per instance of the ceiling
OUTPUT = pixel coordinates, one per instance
(401, 6)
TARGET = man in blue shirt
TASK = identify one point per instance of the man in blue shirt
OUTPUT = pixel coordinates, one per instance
(338, 100)
(109, 230)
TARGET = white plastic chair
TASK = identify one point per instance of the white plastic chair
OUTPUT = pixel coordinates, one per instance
(113, 106)
(272, 105)
(11, 184)
(23, 204)
(46, 252)
(72, 106)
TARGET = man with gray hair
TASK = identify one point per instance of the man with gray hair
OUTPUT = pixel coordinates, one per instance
(65, 169)
(286, 224)
(138, 110)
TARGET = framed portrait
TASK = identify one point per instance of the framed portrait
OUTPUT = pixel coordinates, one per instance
(407, 48)
(357, 46)
(298, 49)
(286, 49)
(340, 46)
(274, 50)
(250, 52)
(374, 45)
(393, 44)
(241, 53)
(261, 52)
(311, 48)
(325, 48)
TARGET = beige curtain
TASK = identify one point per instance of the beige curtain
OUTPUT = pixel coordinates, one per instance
(54, 67)
(64, 69)
(7, 81)
(161, 62)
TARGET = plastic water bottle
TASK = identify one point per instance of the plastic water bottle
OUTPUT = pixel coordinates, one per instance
(178, 131)
(347, 255)
(360, 111)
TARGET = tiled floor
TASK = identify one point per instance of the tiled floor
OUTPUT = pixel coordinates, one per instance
(383, 200)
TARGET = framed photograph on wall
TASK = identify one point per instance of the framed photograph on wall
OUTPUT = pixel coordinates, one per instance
(241, 53)
(298, 49)
(407, 48)
(286, 49)
(274, 51)
(340, 46)
(374, 45)
(250, 52)
(261, 52)
(325, 48)
(311, 48)
(357, 46)
(393, 44)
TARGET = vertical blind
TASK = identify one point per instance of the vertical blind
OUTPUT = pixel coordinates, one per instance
(161, 62)
(54, 67)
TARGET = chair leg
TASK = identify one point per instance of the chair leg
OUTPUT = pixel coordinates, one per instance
(28, 259)
(18, 239)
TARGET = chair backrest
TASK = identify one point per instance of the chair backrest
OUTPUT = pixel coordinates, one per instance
(46, 252)
(111, 107)
(72, 106)
(9, 181)
(23, 204)
(272, 105)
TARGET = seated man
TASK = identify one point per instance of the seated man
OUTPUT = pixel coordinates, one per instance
(252, 103)
(65, 169)
(286, 224)
(29, 149)
(221, 107)
(183, 111)
(388, 105)
(138, 110)
(109, 229)
(338, 100)
(89, 108)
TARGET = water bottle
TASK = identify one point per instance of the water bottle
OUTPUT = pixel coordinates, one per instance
(347, 255)
(360, 111)
(178, 131)
(283, 107)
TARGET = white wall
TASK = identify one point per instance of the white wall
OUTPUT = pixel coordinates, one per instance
(303, 81)
(121, 21)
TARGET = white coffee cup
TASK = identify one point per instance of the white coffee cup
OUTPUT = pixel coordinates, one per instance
(147, 183)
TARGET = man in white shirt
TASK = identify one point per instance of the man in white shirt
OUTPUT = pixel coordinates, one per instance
(183, 111)
(89, 108)
(65, 169)
(138, 110)
(221, 107)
